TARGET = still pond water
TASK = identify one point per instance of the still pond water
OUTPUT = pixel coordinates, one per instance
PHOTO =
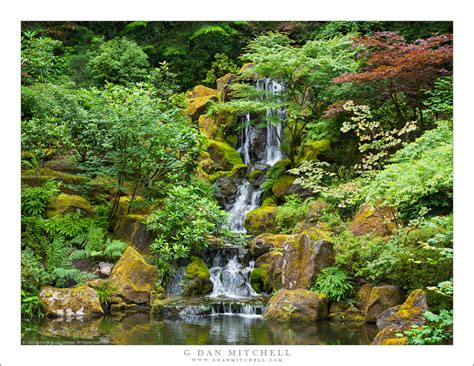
(142, 329)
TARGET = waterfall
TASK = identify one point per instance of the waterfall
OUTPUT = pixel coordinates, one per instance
(249, 197)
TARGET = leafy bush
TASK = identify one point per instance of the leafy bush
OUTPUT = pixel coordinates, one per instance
(438, 330)
(30, 306)
(220, 66)
(35, 199)
(291, 213)
(333, 282)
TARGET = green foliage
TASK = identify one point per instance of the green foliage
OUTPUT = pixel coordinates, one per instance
(35, 199)
(291, 213)
(440, 98)
(67, 226)
(438, 330)
(41, 59)
(420, 175)
(105, 291)
(333, 282)
(221, 65)
(114, 249)
(31, 307)
(118, 61)
(274, 173)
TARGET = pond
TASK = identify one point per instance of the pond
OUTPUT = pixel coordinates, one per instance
(141, 329)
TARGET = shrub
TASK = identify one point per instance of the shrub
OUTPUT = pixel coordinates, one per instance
(291, 213)
(35, 199)
(333, 282)
(438, 330)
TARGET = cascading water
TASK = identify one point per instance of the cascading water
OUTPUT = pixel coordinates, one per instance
(248, 197)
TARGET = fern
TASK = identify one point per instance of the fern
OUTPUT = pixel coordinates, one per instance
(67, 226)
(35, 199)
(65, 276)
(333, 282)
(114, 248)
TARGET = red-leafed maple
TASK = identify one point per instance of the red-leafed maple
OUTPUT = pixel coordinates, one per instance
(395, 66)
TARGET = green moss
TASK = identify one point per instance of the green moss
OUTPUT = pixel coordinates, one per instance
(281, 186)
(239, 170)
(39, 176)
(311, 150)
(214, 176)
(259, 280)
(223, 155)
(66, 203)
(254, 175)
(261, 220)
(270, 201)
(232, 140)
(197, 278)
(282, 164)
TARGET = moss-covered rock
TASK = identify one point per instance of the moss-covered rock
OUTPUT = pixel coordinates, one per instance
(69, 204)
(312, 150)
(304, 256)
(80, 301)
(381, 298)
(405, 315)
(261, 220)
(223, 155)
(137, 207)
(239, 170)
(363, 295)
(246, 71)
(200, 91)
(388, 337)
(348, 314)
(231, 139)
(223, 86)
(297, 305)
(255, 175)
(282, 185)
(264, 243)
(133, 230)
(272, 263)
(374, 220)
(199, 99)
(207, 126)
(197, 278)
(259, 280)
(133, 278)
(271, 201)
(39, 176)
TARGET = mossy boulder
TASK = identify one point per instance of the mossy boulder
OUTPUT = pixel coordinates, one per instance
(388, 337)
(264, 243)
(381, 298)
(282, 185)
(374, 220)
(347, 313)
(255, 175)
(259, 280)
(136, 207)
(199, 99)
(271, 201)
(223, 86)
(304, 256)
(246, 71)
(271, 263)
(226, 189)
(261, 220)
(80, 301)
(39, 176)
(297, 305)
(133, 230)
(312, 150)
(200, 91)
(197, 278)
(223, 155)
(406, 314)
(133, 278)
(69, 204)
(207, 126)
(363, 295)
(239, 170)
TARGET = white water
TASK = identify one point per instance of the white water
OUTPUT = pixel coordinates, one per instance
(232, 280)
(247, 197)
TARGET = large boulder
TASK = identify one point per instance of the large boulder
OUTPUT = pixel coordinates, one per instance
(397, 319)
(197, 278)
(374, 220)
(270, 264)
(265, 242)
(381, 298)
(297, 305)
(69, 204)
(406, 314)
(282, 185)
(304, 256)
(345, 313)
(133, 230)
(208, 126)
(362, 297)
(223, 86)
(261, 220)
(226, 189)
(133, 278)
(199, 99)
(80, 301)
(223, 155)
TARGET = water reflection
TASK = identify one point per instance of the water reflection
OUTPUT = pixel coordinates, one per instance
(141, 328)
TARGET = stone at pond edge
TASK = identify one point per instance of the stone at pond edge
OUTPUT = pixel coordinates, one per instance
(263, 243)
(304, 256)
(132, 229)
(133, 278)
(388, 337)
(406, 314)
(381, 298)
(80, 301)
(197, 278)
(259, 280)
(272, 263)
(363, 295)
(69, 204)
(261, 220)
(350, 314)
(297, 305)
(374, 220)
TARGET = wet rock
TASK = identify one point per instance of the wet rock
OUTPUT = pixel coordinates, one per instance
(69, 204)
(363, 295)
(76, 302)
(300, 191)
(297, 305)
(265, 242)
(133, 278)
(349, 314)
(197, 278)
(105, 269)
(304, 256)
(374, 220)
(381, 298)
(226, 190)
(271, 263)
